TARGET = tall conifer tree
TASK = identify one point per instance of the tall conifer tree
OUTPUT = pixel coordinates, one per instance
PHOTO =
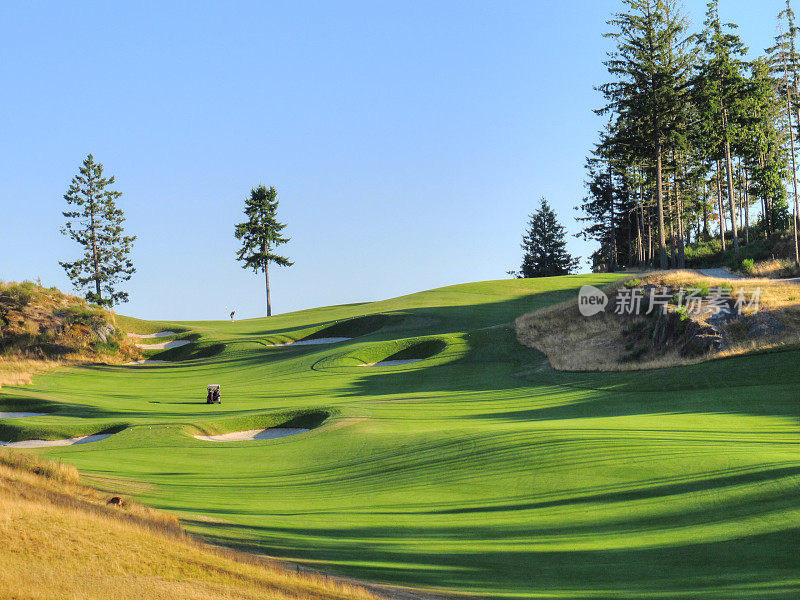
(719, 93)
(261, 234)
(96, 223)
(651, 64)
(545, 246)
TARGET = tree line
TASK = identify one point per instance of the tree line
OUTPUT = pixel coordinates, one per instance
(699, 143)
(96, 223)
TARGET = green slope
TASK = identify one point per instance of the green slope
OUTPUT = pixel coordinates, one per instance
(477, 470)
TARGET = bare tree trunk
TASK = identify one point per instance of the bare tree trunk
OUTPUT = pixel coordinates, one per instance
(746, 194)
(673, 253)
(639, 241)
(794, 179)
(662, 246)
(639, 222)
(766, 208)
(720, 208)
(266, 281)
(93, 235)
(705, 208)
(729, 173)
(613, 265)
(681, 233)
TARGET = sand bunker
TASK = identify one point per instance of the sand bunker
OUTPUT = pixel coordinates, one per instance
(330, 340)
(19, 415)
(152, 335)
(252, 434)
(391, 363)
(147, 361)
(84, 439)
(164, 345)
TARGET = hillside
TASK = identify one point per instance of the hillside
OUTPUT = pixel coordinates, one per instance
(62, 540)
(41, 328)
(421, 445)
(609, 341)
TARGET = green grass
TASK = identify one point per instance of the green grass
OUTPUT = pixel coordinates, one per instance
(477, 470)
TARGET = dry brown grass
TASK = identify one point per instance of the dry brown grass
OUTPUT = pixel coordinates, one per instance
(60, 540)
(776, 268)
(20, 368)
(17, 370)
(599, 343)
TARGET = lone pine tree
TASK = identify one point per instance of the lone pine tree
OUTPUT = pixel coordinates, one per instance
(545, 246)
(261, 234)
(96, 224)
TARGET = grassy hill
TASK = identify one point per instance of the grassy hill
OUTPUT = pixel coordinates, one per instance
(477, 470)
(40, 328)
(62, 540)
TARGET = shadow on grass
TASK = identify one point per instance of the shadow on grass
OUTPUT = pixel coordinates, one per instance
(752, 567)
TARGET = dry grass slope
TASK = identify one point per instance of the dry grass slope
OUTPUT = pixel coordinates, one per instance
(42, 328)
(572, 342)
(60, 540)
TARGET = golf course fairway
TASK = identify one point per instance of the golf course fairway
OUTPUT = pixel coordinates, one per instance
(476, 469)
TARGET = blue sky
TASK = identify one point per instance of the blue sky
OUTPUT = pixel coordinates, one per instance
(407, 140)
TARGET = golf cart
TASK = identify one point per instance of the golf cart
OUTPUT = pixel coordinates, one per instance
(214, 395)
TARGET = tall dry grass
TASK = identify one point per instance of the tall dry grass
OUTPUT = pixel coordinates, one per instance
(775, 268)
(19, 370)
(61, 540)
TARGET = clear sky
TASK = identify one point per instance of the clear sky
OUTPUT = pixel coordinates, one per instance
(408, 141)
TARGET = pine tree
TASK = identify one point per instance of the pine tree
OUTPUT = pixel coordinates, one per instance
(651, 64)
(261, 234)
(96, 224)
(545, 246)
(764, 148)
(785, 63)
(719, 93)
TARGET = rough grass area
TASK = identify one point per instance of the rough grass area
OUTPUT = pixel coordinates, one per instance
(62, 540)
(18, 370)
(774, 268)
(604, 342)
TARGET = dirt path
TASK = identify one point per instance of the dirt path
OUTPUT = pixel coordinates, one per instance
(719, 273)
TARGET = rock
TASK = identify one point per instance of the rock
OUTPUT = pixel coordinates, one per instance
(691, 337)
(763, 324)
(104, 332)
(702, 343)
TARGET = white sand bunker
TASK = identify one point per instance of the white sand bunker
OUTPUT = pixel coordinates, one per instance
(152, 335)
(19, 415)
(330, 340)
(84, 439)
(147, 361)
(164, 345)
(391, 363)
(252, 434)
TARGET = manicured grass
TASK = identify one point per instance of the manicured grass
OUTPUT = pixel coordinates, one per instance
(477, 470)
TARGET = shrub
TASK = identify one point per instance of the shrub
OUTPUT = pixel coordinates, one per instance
(632, 283)
(110, 347)
(748, 265)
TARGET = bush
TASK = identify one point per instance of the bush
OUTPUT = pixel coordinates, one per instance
(632, 283)
(84, 315)
(110, 347)
(748, 265)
